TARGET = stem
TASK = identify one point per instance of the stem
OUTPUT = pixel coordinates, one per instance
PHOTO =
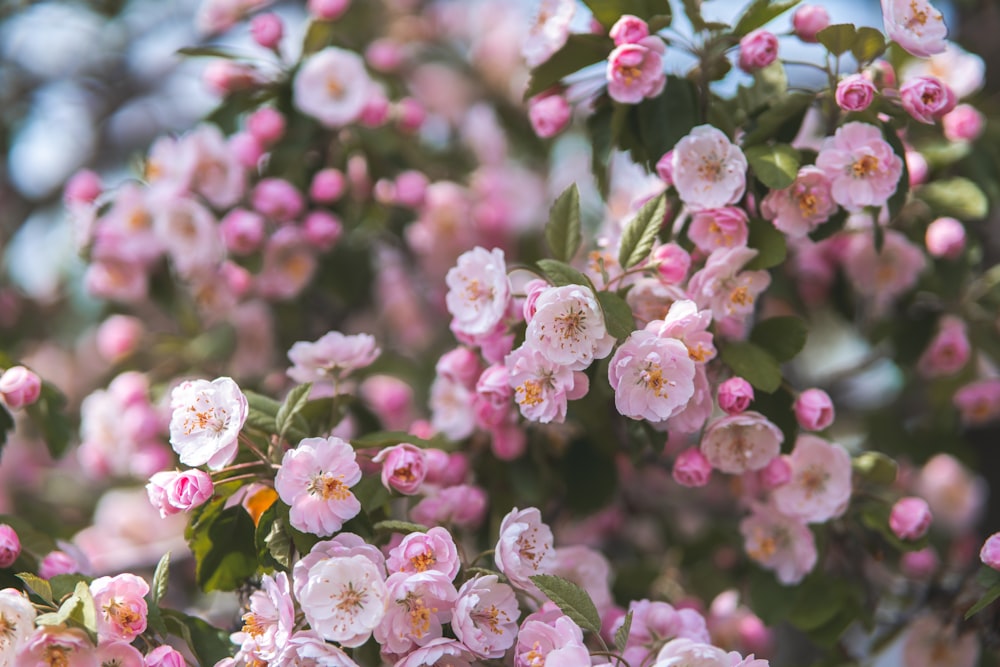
(254, 448)
(480, 556)
(805, 63)
(239, 478)
(620, 660)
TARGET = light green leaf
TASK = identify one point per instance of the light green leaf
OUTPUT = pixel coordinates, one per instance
(839, 38)
(640, 234)
(775, 166)
(571, 599)
(753, 363)
(771, 246)
(561, 273)
(562, 233)
(161, 576)
(876, 467)
(262, 411)
(783, 337)
(621, 635)
(290, 409)
(869, 44)
(989, 597)
(405, 527)
(39, 586)
(760, 12)
(956, 197)
(618, 318)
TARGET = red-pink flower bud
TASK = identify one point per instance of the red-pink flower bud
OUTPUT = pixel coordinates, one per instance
(322, 229)
(267, 30)
(328, 10)
(990, 553)
(735, 395)
(267, 125)
(672, 263)
(629, 30)
(758, 50)
(10, 546)
(963, 123)
(910, 518)
(926, 99)
(83, 187)
(855, 93)
(814, 410)
(777, 472)
(691, 468)
(19, 387)
(808, 20)
(327, 186)
(945, 237)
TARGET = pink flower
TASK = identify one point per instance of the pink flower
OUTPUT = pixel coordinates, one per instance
(342, 546)
(963, 123)
(171, 492)
(420, 552)
(920, 564)
(629, 29)
(332, 86)
(735, 395)
(945, 238)
(18, 616)
(855, 93)
(270, 621)
(315, 480)
(121, 606)
(814, 410)
(278, 200)
(652, 376)
(930, 642)
(267, 30)
(758, 49)
(990, 553)
(306, 647)
(808, 20)
(955, 496)
(691, 468)
(49, 643)
(715, 228)
(541, 386)
(910, 518)
(343, 598)
(678, 652)
(689, 325)
(820, 487)
(724, 288)
(915, 25)
(549, 114)
(635, 71)
(556, 644)
(926, 99)
(524, 548)
(672, 263)
(327, 186)
(802, 206)
(451, 408)
(548, 31)
(478, 291)
(861, 166)
(590, 570)
(463, 506)
(568, 327)
(948, 351)
(778, 471)
(417, 605)
(485, 616)
(404, 467)
(654, 623)
(979, 402)
(10, 546)
(331, 358)
(440, 652)
(492, 402)
(738, 443)
(708, 170)
(206, 421)
(117, 337)
(165, 656)
(665, 168)
(885, 275)
(57, 562)
(322, 229)
(780, 543)
(328, 10)
(19, 387)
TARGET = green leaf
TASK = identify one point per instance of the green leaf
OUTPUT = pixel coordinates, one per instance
(319, 35)
(579, 51)
(78, 609)
(6, 425)
(404, 527)
(988, 598)
(222, 542)
(390, 438)
(48, 415)
(206, 52)
(839, 38)
(869, 44)
(647, 137)
(621, 635)
(63, 585)
(692, 9)
(278, 541)
(770, 244)
(754, 364)
(956, 197)
(560, 273)
(640, 234)
(290, 409)
(760, 12)
(618, 318)
(262, 411)
(33, 541)
(775, 166)
(571, 599)
(876, 467)
(601, 141)
(607, 12)
(787, 110)
(209, 644)
(783, 337)
(39, 586)
(898, 198)
(562, 233)
(160, 578)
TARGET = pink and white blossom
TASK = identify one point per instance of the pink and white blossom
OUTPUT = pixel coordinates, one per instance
(715, 228)
(635, 71)
(882, 276)
(568, 327)
(206, 421)
(724, 288)
(915, 25)
(51, 644)
(17, 616)
(820, 487)
(978, 402)
(478, 291)
(434, 550)
(685, 322)
(462, 505)
(331, 358)
(735, 395)
(344, 599)
(524, 548)
(269, 623)
(417, 605)
(332, 86)
(441, 652)
(652, 376)
(19, 387)
(927, 99)
(485, 616)
(315, 480)
(654, 623)
(709, 171)
(801, 207)
(548, 31)
(171, 492)
(780, 543)
(542, 387)
(741, 442)
(861, 166)
(963, 123)
(121, 606)
(691, 468)
(808, 20)
(341, 546)
(306, 648)
(557, 644)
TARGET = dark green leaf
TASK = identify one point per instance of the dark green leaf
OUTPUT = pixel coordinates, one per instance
(6, 425)
(404, 527)
(160, 578)
(205, 51)
(876, 467)
(956, 197)
(262, 411)
(621, 635)
(290, 409)
(209, 644)
(679, 103)
(775, 166)
(319, 35)
(560, 273)
(783, 337)
(38, 585)
(839, 38)
(33, 541)
(607, 12)
(618, 317)
(571, 599)
(790, 108)
(390, 438)
(562, 233)
(989, 597)
(222, 542)
(754, 364)
(601, 141)
(579, 51)
(761, 12)
(868, 45)
(63, 585)
(279, 543)
(816, 603)
(898, 198)
(640, 234)
(48, 415)
(770, 245)
(154, 619)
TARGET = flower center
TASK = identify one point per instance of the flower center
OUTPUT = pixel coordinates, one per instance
(328, 487)
(710, 168)
(741, 296)
(252, 625)
(571, 324)
(423, 562)
(652, 377)
(629, 74)
(813, 480)
(865, 167)
(807, 204)
(351, 598)
(534, 657)
(529, 393)
(56, 656)
(420, 614)
(490, 618)
(122, 615)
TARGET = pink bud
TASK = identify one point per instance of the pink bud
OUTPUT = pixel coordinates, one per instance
(376, 110)
(242, 231)
(754, 635)
(277, 199)
(384, 55)
(267, 125)
(508, 441)
(814, 410)
(549, 114)
(165, 656)
(910, 518)
(855, 93)
(777, 472)
(119, 336)
(322, 229)
(56, 563)
(327, 186)
(808, 20)
(190, 489)
(223, 77)
(963, 123)
(411, 114)
(83, 188)
(19, 387)
(691, 468)
(990, 553)
(629, 30)
(267, 30)
(247, 149)
(665, 166)
(411, 186)
(735, 395)
(926, 99)
(237, 278)
(916, 165)
(10, 546)
(883, 73)
(919, 564)
(404, 467)
(460, 365)
(328, 10)
(758, 50)
(945, 238)
(672, 263)
(384, 191)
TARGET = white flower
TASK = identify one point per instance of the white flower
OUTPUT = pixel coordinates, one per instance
(709, 170)
(190, 233)
(451, 408)
(17, 622)
(549, 31)
(419, 604)
(568, 327)
(478, 291)
(821, 481)
(332, 86)
(206, 422)
(344, 599)
(485, 616)
(738, 443)
(524, 548)
(915, 25)
(686, 653)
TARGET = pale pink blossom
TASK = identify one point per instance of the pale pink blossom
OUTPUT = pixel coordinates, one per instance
(948, 351)
(493, 402)
(119, 654)
(50, 645)
(910, 518)
(960, 70)
(758, 49)
(956, 496)
(485, 616)
(404, 467)
(417, 605)
(451, 408)
(650, 299)
(652, 376)
(778, 471)
(548, 31)
(686, 653)
(189, 233)
(655, 623)
(882, 276)
(17, 617)
(590, 570)
(434, 550)
(117, 280)
(813, 409)
(206, 421)
(165, 656)
(978, 402)
(171, 492)
(963, 123)
(344, 599)
(855, 92)
(861, 166)
(478, 290)
(213, 169)
(543, 387)
(715, 228)
(930, 642)
(989, 554)
(342, 546)
(709, 171)
(808, 20)
(121, 606)
(780, 543)
(801, 207)
(557, 644)
(270, 621)
(306, 648)
(524, 548)
(331, 358)
(926, 99)
(328, 10)
(461, 365)
(693, 417)
(691, 468)
(945, 238)
(568, 327)
(635, 71)
(685, 322)
(117, 337)
(724, 288)
(440, 652)
(820, 487)
(741, 442)
(915, 25)
(463, 506)
(332, 86)
(19, 387)
(735, 395)
(315, 480)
